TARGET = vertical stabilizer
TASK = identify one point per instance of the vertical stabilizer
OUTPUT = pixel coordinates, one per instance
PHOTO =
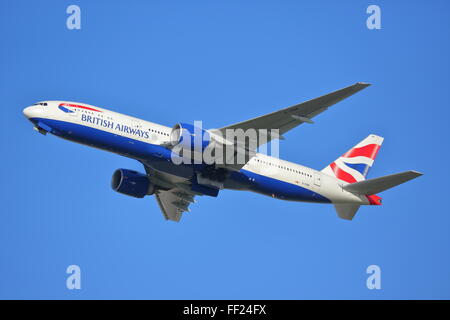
(354, 165)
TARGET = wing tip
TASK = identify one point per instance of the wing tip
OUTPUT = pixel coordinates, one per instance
(416, 173)
(363, 85)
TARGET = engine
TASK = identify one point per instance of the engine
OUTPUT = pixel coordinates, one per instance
(132, 183)
(188, 136)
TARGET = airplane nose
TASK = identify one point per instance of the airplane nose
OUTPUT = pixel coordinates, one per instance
(32, 112)
(27, 112)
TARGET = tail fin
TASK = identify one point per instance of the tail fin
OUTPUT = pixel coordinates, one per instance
(354, 165)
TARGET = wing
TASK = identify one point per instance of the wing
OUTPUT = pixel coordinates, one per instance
(174, 202)
(173, 195)
(282, 120)
(288, 118)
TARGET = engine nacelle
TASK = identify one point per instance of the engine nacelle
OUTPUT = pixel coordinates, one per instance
(132, 183)
(187, 136)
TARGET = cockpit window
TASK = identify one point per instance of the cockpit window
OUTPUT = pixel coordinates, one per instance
(40, 104)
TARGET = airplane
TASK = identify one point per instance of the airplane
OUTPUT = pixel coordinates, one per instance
(342, 183)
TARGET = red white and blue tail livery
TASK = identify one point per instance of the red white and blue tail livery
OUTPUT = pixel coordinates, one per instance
(354, 165)
(175, 182)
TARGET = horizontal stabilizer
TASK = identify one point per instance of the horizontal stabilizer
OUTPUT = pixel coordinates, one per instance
(373, 186)
(346, 211)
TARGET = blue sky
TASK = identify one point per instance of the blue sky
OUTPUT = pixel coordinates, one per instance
(222, 62)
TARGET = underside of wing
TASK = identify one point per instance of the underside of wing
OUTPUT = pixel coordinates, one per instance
(288, 118)
(172, 193)
(261, 130)
(173, 203)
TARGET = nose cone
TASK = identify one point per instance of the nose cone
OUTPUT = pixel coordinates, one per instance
(32, 112)
(27, 112)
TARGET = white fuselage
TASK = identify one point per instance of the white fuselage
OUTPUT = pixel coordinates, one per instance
(143, 140)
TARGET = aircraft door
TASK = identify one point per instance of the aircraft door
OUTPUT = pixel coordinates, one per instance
(317, 179)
